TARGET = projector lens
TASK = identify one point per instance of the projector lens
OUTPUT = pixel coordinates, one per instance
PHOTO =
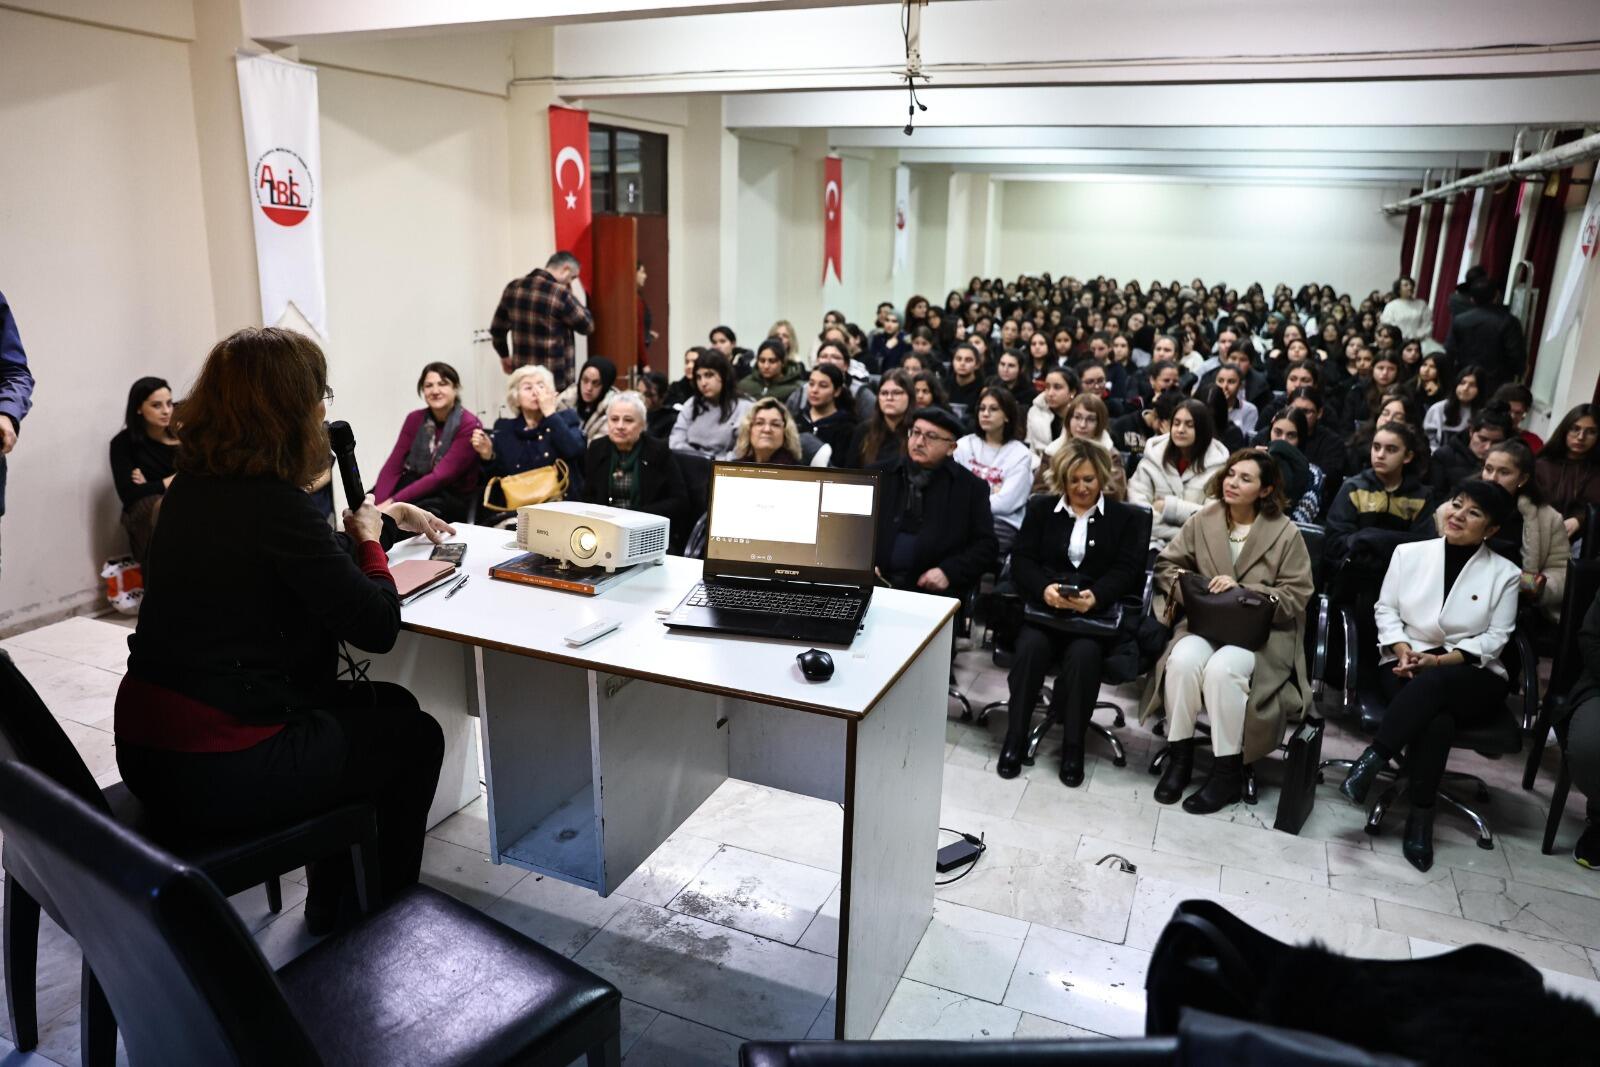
(584, 541)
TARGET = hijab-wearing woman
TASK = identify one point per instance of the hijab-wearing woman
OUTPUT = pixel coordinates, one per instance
(1446, 610)
(1452, 414)
(708, 424)
(1532, 535)
(883, 436)
(767, 434)
(1172, 475)
(997, 455)
(629, 469)
(144, 458)
(431, 463)
(1568, 470)
(1078, 552)
(590, 395)
(1240, 538)
(537, 435)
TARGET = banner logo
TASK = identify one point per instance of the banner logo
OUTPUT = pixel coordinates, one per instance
(284, 187)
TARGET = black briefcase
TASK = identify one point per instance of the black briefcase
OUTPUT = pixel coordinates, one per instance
(1300, 770)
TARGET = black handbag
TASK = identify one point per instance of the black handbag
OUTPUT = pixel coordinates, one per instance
(1104, 623)
(1236, 616)
(1300, 768)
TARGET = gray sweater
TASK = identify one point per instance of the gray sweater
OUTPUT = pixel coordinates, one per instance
(707, 433)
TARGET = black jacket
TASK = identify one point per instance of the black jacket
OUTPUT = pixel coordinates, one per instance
(1490, 337)
(1113, 560)
(150, 457)
(957, 531)
(247, 594)
(661, 486)
(1325, 448)
(1366, 522)
(1452, 464)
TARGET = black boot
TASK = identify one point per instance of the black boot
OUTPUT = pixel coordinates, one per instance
(1180, 768)
(1009, 765)
(1072, 766)
(1418, 844)
(1367, 767)
(1225, 786)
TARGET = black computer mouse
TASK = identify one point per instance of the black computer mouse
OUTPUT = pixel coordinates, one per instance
(815, 664)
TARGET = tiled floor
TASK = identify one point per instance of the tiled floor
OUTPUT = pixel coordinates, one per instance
(727, 932)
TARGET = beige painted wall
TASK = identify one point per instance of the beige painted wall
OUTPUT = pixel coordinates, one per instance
(103, 257)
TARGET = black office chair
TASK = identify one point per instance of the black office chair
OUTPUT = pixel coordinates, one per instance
(425, 980)
(1590, 548)
(234, 861)
(1583, 584)
(1102, 1052)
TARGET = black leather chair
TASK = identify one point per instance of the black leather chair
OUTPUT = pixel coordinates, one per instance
(425, 980)
(1104, 1052)
(234, 861)
(1583, 584)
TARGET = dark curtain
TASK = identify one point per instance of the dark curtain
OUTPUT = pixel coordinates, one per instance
(1499, 229)
(1430, 248)
(1455, 241)
(1408, 239)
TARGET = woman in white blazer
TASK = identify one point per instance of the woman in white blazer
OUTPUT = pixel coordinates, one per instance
(1172, 475)
(1445, 613)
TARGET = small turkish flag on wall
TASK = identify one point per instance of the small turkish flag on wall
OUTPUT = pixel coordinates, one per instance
(833, 217)
(569, 182)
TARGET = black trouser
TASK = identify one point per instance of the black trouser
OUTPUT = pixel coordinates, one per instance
(371, 742)
(1582, 745)
(1077, 682)
(1422, 715)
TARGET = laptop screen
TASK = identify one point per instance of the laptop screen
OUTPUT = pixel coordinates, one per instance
(807, 523)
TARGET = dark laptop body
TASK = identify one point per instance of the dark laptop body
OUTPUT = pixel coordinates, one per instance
(788, 554)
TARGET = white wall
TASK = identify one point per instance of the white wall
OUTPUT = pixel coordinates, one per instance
(1236, 233)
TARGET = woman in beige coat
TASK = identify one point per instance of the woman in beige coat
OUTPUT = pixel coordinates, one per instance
(1172, 476)
(1242, 537)
(1534, 538)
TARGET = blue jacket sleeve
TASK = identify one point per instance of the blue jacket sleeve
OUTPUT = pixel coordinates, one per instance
(16, 383)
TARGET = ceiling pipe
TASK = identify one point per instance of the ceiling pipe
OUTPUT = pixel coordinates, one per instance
(1540, 163)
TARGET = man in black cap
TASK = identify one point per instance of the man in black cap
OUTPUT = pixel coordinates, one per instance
(935, 532)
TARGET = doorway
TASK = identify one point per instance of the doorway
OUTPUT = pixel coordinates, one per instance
(628, 192)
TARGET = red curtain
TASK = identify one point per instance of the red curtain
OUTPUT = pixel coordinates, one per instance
(1408, 240)
(1455, 241)
(1430, 249)
(1499, 229)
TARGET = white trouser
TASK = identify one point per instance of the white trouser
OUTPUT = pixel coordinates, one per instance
(1202, 676)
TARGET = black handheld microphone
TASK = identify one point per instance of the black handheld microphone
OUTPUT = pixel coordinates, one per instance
(343, 440)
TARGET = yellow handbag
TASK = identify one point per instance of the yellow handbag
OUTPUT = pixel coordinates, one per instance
(538, 486)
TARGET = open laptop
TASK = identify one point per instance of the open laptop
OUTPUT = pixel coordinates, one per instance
(788, 554)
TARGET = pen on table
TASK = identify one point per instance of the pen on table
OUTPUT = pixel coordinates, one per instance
(454, 589)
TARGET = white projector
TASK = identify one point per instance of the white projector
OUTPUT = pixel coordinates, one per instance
(592, 535)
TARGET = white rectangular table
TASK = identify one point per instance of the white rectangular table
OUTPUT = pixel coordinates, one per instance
(594, 755)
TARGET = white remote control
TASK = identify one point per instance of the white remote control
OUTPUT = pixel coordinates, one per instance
(578, 638)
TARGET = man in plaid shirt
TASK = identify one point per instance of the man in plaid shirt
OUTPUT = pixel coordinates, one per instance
(540, 313)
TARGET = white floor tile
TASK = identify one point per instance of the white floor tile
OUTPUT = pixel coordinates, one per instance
(758, 894)
(466, 874)
(1288, 895)
(983, 791)
(668, 869)
(823, 1028)
(557, 914)
(468, 827)
(1151, 864)
(823, 933)
(1049, 888)
(772, 822)
(924, 1013)
(80, 639)
(1268, 852)
(1382, 877)
(1081, 982)
(968, 951)
(73, 691)
(1529, 909)
(1448, 929)
(1052, 804)
(1582, 988)
(671, 1040)
(1037, 1026)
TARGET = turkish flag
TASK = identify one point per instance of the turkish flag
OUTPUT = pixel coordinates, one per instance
(569, 181)
(833, 217)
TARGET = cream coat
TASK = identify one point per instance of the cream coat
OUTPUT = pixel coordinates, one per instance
(1545, 550)
(595, 427)
(1274, 562)
(1477, 617)
(1039, 416)
(1184, 493)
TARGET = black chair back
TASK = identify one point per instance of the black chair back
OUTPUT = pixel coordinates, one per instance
(1315, 538)
(183, 977)
(1590, 549)
(1583, 583)
(696, 478)
(30, 734)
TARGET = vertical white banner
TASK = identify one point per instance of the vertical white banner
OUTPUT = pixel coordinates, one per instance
(902, 216)
(283, 153)
(1583, 252)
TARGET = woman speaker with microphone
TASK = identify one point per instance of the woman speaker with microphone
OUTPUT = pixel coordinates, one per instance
(230, 715)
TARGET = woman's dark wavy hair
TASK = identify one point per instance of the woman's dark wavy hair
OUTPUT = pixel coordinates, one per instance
(253, 411)
(1272, 502)
(138, 393)
(716, 361)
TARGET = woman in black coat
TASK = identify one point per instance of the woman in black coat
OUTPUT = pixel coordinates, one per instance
(1077, 554)
(629, 469)
(142, 460)
(230, 715)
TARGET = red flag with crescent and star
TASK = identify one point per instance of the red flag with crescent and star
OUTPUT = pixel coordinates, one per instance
(833, 217)
(569, 182)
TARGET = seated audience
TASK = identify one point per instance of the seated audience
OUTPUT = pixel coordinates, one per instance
(927, 391)
(964, 381)
(1516, 400)
(935, 532)
(1462, 454)
(1239, 538)
(997, 455)
(725, 341)
(1568, 469)
(767, 434)
(821, 414)
(1008, 370)
(1452, 414)
(1580, 736)
(1241, 412)
(774, 375)
(1047, 413)
(627, 468)
(1396, 406)
(1439, 667)
(1087, 421)
(1134, 430)
(1040, 359)
(1172, 475)
(888, 345)
(1302, 479)
(708, 424)
(144, 458)
(1432, 380)
(882, 436)
(431, 463)
(1532, 536)
(538, 435)
(653, 390)
(682, 389)
(1077, 553)
(1228, 432)
(590, 395)
(1322, 447)
(1413, 316)
(1161, 376)
(1092, 379)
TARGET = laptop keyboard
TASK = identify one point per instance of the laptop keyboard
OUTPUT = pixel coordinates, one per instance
(774, 601)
